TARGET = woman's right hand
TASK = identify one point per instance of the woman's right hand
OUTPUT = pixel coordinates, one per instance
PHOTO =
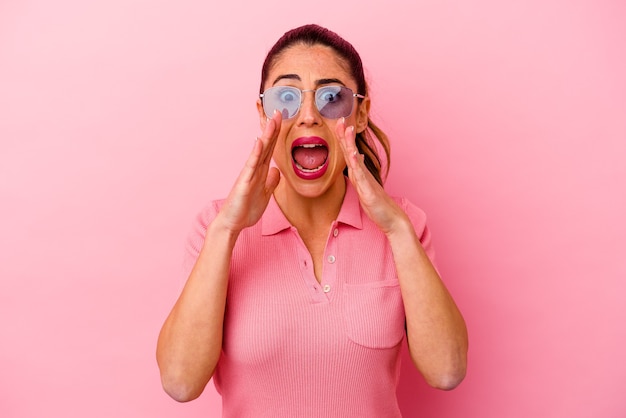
(190, 342)
(251, 193)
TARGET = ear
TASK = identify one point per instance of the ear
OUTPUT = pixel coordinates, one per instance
(362, 115)
(262, 117)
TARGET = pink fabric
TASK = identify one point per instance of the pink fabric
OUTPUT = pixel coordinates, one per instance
(294, 347)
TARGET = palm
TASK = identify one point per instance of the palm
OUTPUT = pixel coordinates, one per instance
(250, 195)
(376, 203)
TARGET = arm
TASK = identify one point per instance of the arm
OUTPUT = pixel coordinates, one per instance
(190, 341)
(436, 331)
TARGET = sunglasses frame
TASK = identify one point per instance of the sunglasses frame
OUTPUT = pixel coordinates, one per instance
(269, 115)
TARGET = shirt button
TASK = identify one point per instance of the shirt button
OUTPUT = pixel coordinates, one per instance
(335, 232)
(326, 288)
(331, 259)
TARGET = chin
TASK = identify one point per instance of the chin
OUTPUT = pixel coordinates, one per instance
(317, 187)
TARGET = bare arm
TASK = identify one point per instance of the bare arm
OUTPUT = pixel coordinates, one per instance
(436, 331)
(190, 341)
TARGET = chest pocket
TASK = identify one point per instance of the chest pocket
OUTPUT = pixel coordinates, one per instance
(374, 313)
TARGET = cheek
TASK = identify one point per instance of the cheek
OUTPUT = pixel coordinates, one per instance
(280, 154)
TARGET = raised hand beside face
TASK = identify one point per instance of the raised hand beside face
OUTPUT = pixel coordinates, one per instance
(376, 203)
(251, 192)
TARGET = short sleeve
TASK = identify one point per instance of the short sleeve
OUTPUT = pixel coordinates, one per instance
(418, 218)
(196, 236)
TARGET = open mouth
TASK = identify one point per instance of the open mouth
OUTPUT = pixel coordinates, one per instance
(309, 156)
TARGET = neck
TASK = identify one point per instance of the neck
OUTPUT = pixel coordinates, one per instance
(306, 212)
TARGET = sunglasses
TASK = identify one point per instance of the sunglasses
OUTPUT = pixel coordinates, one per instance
(333, 102)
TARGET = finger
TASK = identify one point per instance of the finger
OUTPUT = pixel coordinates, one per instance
(269, 136)
(273, 178)
(258, 161)
(252, 163)
(340, 131)
(262, 149)
(347, 142)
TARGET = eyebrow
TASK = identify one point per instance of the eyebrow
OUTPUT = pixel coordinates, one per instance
(317, 82)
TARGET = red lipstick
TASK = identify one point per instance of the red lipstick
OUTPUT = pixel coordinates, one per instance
(309, 157)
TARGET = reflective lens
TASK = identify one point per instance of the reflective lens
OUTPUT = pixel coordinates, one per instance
(333, 102)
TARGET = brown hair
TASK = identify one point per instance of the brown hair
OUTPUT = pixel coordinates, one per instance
(317, 35)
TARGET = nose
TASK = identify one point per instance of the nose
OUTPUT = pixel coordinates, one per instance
(308, 115)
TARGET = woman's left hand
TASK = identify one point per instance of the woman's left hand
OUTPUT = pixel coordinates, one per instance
(376, 203)
(436, 331)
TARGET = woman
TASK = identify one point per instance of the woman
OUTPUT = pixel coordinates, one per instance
(307, 277)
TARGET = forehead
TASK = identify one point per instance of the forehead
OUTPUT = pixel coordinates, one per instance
(310, 63)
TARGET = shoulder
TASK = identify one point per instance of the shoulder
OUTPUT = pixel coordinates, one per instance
(415, 213)
(206, 215)
(417, 216)
(197, 232)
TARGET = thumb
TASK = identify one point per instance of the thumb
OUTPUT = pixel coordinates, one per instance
(273, 178)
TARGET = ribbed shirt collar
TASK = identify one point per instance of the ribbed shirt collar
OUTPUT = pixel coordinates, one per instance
(274, 220)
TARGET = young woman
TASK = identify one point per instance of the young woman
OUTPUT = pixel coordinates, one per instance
(305, 280)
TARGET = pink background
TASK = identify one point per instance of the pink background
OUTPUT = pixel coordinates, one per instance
(119, 119)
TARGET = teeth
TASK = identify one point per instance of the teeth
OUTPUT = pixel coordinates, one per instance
(311, 145)
(308, 170)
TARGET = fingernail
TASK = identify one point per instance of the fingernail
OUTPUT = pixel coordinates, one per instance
(343, 120)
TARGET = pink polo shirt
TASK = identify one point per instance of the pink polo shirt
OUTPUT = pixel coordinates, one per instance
(294, 347)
